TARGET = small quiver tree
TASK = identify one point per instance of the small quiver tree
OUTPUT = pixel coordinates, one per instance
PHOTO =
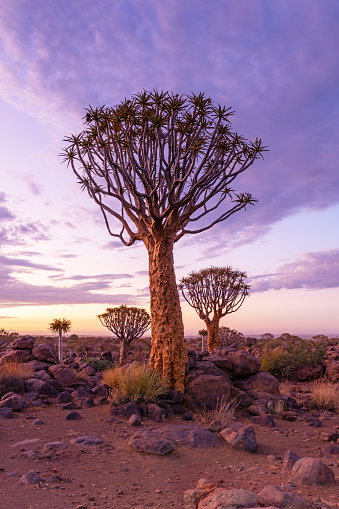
(60, 325)
(203, 334)
(214, 292)
(127, 323)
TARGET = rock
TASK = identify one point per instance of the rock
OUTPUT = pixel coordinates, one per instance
(332, 371)
(36, 365)
(23, 444)
(329, 449)
(264, 420)
(73, 416)
(87, 369)
(69, 406)
(187, 416)
(32, 477)
(330, 435)
(215, 426)
(134, 420)
(206, 390)
(165, 409)
(40, 387)
(289, 460)
(101, 390)
(222, 498)
(89, 403)
(55, 446)
(173, 397)
(15, 402)
(305, 372)
(242, 399)
(150, 444)
(261, 382)
(240, 437)
(16, 356)
(24, 343)
(276, 496)
(243, 363)
(220, 361)
(64, 397)
(46, 353)
(154, 412)
(257, 410)
(6, 413)
(311, 471)
(63, 374)
(87, 441)
(126, 410)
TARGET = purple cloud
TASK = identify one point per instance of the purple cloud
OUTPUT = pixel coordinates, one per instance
(310, 271)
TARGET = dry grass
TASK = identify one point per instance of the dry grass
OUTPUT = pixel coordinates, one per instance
(325, 395)
(14, 368)
(135, 382)
(223, 412)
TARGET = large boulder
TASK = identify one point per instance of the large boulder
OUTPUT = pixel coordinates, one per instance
(243, 363)
(273, 495)
(46, 353)
(221, 361)
(263, 383)
(332, 371)
(228, 499)
(206, 390)
(126, 410)
(62, 374)
(311, 471)
(40, 387)
(36, 365)
(16, 356)
(305, 372)
(24, 343)
(240, 437)
(14, 401)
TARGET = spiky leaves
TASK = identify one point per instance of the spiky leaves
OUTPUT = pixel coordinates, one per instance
(60, 325)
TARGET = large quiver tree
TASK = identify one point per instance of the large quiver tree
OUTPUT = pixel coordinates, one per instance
(157, 164)
(214, 292)
(126, 323)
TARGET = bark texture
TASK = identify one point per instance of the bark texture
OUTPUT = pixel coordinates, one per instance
(168, 352)
(60, 347)
(212, 327)
(123, 352)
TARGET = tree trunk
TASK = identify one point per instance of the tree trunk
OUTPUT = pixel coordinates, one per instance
(60, 347)
(168, 353)
(213, 332)
(123, 352)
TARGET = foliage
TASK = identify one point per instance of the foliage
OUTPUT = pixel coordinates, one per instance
(325, 395)
(98, 364)
(281, 359)
(6, 337)
(135, 382)
(224, 412)
(84, 344)
(267, 336)
(320, 337)
(12, 377)
(60, 325)
(230, 337)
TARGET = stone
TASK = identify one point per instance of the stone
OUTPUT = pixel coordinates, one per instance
(173, 397)
(89, 403)
(240, 437)
(64, 397)
(36, 365)
(220, 361)
(306, 372)
(24, 444)
(6, 413)
(261, 383)
(242, 399)
(69, 406)
(38, 422)
(332, 371)
(87, 441)
(87, 369)
(206, 390)
(46, 353)
(329, 449)
(23, 343)
(276, 496)
(243, 363)
(55, 446)
(126, 410)
(154, 412)
(134, 420)
(187, 416)
(151, 445)
(311, 471)
(257, 410)
(289, 459)
(101, 390)
(73, 416)
(32, 478)
(15, 402)
(222, 498)
(40, 387)
(63, 374)
(264, 420)
(215, 426)
(16, 356)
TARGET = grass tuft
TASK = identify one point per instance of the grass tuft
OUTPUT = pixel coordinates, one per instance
(12, 377)
(325, 395)
(134, 382)
(224, 412)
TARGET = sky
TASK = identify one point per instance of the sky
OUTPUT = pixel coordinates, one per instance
(275, 63)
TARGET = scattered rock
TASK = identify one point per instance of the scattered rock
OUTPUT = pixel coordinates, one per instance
(134, 420)
(240, 437)
(206, 390)
(329, 449)
(15, 402)
(6, 413)
(40, 387)
(63, 374)
(264, 420)
(306, 372)
(151, 444)
(23, 343)
(32, 477)
(23, 444)
(228, 499)
(73, 416)
(154, 412)
(289, 460)
(261, 382)
(16, 356)
(64, 397)
(87, 441)
(101, 390)
(311, 471)
(126, 410)
(276, 496)
(69, 406)
(46, 353)
(215, 426)
(55, 446)
(187, 416)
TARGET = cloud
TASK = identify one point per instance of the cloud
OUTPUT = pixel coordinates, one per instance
(99, 277)
(311, 271)
(21, 262)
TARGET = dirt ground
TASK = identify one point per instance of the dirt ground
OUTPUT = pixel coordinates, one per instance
(114, 476)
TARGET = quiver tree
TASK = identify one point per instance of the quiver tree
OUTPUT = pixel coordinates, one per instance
(203, 334)
(126, 323)
(162, 165)
(214, 292)
(60, 325)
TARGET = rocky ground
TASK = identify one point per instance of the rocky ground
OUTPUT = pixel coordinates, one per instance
(63, 445)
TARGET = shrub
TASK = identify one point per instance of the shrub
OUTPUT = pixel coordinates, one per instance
(134, 382)
(282, 361)
(12, 377)
(223, 412)
(325, 395)
(98, 364)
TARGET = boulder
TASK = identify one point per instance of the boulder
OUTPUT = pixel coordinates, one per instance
(40, 387)
(64, 397)
(154, 412)
(24, 343)
(6, 413)
(311, 471)
(305, 372)
(206, 390)
(261, 383)
(16, 356)
(87, 441)
(289, 459)
(15, 402)
(220, 361)
(126, 410)
(331, 449)
(32, 478)
(190, 435)
(87, 369)
(240, 437)
(243, 363)
(46, 353)
(228, 499)
(36, 365)
(264, 420)
(151, 445)
(62, 374)
(332, 371)
(274, 495)
(101, 390)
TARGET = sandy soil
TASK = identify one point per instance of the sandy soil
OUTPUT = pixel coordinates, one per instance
(115, 476)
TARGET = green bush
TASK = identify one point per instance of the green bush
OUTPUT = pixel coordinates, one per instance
(282, 361)
(98, 364)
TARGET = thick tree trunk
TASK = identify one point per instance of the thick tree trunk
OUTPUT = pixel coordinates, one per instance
(123, 352)
(168, 352)
(60, 347)
(213, 333)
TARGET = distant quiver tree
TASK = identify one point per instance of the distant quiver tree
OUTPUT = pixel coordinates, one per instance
(60, 325)
(127, 323)
(214, 292)
(158, 164)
